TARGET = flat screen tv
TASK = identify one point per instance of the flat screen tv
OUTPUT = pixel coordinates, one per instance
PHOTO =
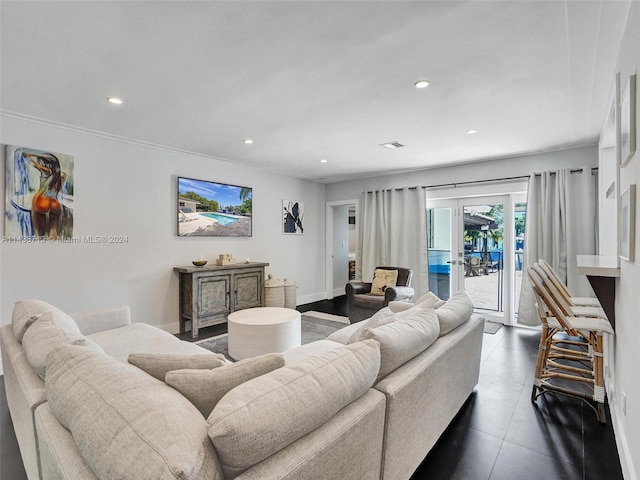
(212, 209)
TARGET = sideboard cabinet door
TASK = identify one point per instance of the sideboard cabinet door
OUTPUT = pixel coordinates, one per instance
(248, 289)
(213, 296)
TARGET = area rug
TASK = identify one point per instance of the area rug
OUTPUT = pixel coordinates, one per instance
(491, 327)
(315, 326)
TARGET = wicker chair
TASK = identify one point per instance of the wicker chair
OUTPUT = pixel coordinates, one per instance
(362, 305)
(571, 364)
(591, 305)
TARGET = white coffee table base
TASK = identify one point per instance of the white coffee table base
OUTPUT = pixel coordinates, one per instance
(256, 331)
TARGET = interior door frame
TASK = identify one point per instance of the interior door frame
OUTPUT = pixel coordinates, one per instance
(328, 276)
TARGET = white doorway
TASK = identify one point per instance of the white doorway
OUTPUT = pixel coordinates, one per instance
(341, 243)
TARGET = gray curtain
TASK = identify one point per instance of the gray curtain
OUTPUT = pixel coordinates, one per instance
(394, 232)
(560, 224)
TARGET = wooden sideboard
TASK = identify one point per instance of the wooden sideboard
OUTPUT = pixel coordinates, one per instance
(207, 295)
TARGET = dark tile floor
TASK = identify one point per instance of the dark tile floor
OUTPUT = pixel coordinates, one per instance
(501, 435)
(498, 435)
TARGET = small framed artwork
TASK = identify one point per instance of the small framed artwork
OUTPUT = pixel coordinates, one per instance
(628, 121)
(628, 223)
(292, 217)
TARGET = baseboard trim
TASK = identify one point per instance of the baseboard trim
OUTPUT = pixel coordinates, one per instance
(626, 459)
(314, 297)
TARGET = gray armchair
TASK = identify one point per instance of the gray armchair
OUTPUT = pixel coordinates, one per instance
(362, 305)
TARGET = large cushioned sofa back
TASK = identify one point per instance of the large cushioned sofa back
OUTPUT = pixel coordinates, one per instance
(125, 423)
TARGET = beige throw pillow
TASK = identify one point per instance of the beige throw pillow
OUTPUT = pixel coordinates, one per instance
(158, 364)
(403, 339)
(381, 317)
(454, 312)
(205, 388)
(25, 312)
(266, 414)
(428, 298)
(385, 316)
(49, 331)
(382, 279)
(125, 423)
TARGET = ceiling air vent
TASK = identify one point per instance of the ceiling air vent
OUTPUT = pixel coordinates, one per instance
(391, 145)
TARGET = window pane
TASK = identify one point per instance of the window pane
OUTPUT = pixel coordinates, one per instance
(439, 237)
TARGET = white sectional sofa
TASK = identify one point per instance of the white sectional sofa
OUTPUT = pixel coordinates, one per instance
(369, 402)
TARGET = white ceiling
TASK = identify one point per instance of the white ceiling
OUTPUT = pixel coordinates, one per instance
(321, 79)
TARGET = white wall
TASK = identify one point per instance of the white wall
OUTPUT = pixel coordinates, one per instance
(607, 207)
(129, 189)
(626, 352)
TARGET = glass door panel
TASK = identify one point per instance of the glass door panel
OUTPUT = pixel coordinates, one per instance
(519, 220)
(439, 223)
(483, 234)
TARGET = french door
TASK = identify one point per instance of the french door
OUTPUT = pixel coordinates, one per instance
(468, 238)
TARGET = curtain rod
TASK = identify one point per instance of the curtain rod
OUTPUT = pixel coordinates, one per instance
(472, 182)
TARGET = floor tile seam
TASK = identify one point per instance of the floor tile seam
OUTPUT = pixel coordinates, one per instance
(582, 434)
(520, 384)
(514, 410)
(496, 340)
(546, 454)
(584, 462)
(522, 354)
(538, 451)
(585, 410)
(503, 349)
(501, 439)
(475, 429)
(521, 347)
(495, 460)
(490, 351)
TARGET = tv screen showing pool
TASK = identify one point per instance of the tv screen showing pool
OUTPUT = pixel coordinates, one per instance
(212, 209)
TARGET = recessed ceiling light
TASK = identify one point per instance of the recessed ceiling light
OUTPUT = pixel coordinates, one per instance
(324, 160)
(114, 100)
(471, 132)
(247, 141)
(392, 145)
(421, 84)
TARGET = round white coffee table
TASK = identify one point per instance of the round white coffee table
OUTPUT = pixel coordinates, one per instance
(256, 331)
